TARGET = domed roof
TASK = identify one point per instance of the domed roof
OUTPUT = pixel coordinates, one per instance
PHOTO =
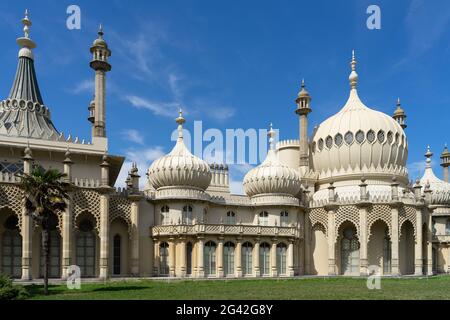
(271, 177)
(358, 139)
(179, 168)
(440, 189)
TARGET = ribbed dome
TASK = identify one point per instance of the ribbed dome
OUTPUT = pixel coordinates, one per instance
(179, 168)
(440, 189)
(358, 139)
(271, 177)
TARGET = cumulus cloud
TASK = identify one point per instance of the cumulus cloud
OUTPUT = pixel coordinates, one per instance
(86, 85)
(167, 109)
(133, 136)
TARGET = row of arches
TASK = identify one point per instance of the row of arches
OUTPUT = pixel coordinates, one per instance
(229, 258)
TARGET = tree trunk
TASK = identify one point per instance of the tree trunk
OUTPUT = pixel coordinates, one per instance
(46, 250)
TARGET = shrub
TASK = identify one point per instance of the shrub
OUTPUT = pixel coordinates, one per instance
(8, 291)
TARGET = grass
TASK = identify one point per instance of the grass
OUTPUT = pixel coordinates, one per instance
(284, 289)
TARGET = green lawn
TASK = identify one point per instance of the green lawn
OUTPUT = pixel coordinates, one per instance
(311, 288)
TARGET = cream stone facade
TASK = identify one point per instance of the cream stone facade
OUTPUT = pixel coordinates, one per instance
(334, 203)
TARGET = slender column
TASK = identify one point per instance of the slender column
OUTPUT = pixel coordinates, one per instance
(419, 244)
(200, 248)
(172, 258)
(290, 259)
(256, 260)
(182, 272)
(307, 245)
(220, 272)
(104, 236)
(395, 241)
(135, 238)
(273, 259)
(67, 220)
(363, 241)
(27, 225)
(430, 245)
(238, 258)
(331, 243)
(155, 257)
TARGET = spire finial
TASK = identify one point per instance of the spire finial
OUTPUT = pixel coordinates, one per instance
(428, 155)
(271, 134)
(303, 83)
(353, 75)
(180, 120)
(100, 31)
(26, 25)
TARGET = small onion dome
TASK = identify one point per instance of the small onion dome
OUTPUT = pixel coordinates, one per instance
(440, 189)
(271, 177)
(303, 92)
(399, 112)
(179, 168)
(100, 42)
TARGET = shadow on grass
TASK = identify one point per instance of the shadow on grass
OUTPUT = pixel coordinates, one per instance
(122, 288)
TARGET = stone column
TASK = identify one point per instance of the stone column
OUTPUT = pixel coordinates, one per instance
(27, 225)
(419, 243)
(238, 258)
(363, 240)
(331, 240)
(307, 245)
(220, 272)
(182, 264)
(429, 245)
(290, 259)
(155, 257)
(67, 217)
(172, 256)
(256, 259)
(135, 236)
(104, 190)
(200, 248)
(273, 259)
(395, 241)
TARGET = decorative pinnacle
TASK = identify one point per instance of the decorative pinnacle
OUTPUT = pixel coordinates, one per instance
(26, 25)
(180, 120)
(100, 31)
(428, 155)
(271, 134)
(353, 75)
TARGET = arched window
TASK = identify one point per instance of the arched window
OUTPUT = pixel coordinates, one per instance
(281, 259)
(55, 251)
(264, 258)
(228, 258)
(189, 258)
(165, 218)
(247, 258)
(187, 215)
(210, 258)
(85, 253)
(264, 218)
(231, 217)
(349, 252)
(284, 219)
(116, 254)
(12, 248)
(164, 259)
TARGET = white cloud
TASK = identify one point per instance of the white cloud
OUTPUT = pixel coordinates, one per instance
(86, 85)
(167, 109)
(417, 169)
(133, 136)
(221, 113)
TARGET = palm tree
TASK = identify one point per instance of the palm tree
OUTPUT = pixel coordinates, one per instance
(45, 195)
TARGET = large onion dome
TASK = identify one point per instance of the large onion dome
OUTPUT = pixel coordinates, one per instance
(179, 168)
(272, 177)
(359, 140)
(440, 194)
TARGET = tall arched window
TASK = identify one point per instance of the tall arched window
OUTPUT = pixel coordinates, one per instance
(349, 252)
(165, 218)
(55, 251)
(85, 252)
(264, 258)
(116, 254)
(210, 258)
(189, 258)
(281, 259)
(284, 219)
(447, 227)
(228, 258)
(264, 218)
(187, 215)
(12, 248)
(231, 217)
(247, 258)
(164, 259)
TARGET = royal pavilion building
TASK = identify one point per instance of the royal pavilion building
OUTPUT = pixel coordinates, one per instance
(338, 202)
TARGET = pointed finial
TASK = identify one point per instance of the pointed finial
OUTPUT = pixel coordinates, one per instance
(303, 83)
(428, 155)
(180, 120)
(353, 75)
(100, 31)
(271, 134)
(26, 25)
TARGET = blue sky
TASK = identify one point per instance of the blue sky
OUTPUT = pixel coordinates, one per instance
(236, 65)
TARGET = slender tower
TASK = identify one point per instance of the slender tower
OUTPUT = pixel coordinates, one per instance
(99, 63)
(400, 115)
(445, 162)
(303, 109)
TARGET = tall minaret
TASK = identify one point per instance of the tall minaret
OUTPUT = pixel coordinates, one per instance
(445, 162)
(99, 63)
(303, 100)
(400, 115)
